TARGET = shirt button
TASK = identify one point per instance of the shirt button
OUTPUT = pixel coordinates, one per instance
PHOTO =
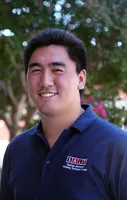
(47, 162)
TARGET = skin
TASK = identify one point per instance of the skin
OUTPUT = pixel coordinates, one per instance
(53, 85)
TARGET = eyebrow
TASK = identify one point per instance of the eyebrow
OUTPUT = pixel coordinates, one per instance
(50, 64)
(34, 64)
(56, 64)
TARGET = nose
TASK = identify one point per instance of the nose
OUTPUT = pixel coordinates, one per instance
(46, 79)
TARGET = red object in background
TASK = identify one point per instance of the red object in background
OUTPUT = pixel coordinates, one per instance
(97, 107)
(100, 110)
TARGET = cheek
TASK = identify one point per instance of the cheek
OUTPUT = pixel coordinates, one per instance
(32, 89)
(32, 82)
(67, 84)
(62, 82)
(58, 81)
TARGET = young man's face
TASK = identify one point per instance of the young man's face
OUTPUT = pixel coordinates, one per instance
(53, 82)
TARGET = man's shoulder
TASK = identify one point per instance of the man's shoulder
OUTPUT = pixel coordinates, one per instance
(22, 139)
(111, 133)
(25, 134)
(108, 126)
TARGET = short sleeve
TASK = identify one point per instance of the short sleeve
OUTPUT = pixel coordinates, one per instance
(119, 178)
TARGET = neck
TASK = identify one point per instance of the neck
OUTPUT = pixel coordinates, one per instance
(54, 125)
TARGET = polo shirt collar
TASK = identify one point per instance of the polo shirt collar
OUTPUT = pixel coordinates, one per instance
(86, 119)
(81, 124)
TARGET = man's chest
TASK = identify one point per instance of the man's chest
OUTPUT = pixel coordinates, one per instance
(66, 173)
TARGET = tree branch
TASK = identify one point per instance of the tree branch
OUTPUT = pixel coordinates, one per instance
(23, 80)
(4, 87)
(21, 105)
(11, 95)
(12, 57)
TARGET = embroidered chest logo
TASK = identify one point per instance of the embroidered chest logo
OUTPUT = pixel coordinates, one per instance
(74, 163)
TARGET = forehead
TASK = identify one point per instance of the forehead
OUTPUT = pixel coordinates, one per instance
(50, 52)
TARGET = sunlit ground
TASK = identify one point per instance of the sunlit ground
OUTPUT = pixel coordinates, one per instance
(3, 145)
(4, 140)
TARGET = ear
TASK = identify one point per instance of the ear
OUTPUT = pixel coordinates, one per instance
(82, 79)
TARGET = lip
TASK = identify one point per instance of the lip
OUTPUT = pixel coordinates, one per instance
(43, 92)
(48, 94)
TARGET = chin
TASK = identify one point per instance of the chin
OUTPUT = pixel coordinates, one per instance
(50, 111)
(47, 111)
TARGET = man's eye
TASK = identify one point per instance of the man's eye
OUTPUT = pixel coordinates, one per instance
(57, 70)
(36, 70)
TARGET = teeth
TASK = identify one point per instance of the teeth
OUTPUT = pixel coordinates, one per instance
(48, 94)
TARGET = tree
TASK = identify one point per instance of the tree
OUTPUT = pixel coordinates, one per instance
(102, 25)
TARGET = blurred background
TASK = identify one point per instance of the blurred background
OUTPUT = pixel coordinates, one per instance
(102, 25)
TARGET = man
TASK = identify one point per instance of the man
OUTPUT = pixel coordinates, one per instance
(71, 153)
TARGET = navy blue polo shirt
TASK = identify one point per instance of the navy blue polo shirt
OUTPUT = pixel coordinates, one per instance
(87, 162)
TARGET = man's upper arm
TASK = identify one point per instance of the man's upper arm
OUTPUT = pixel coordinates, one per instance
(123, 176)
(118, 184)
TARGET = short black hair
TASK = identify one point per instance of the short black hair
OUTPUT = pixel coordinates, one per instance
(53, 36)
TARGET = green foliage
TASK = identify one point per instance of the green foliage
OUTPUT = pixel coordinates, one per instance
(102, 25)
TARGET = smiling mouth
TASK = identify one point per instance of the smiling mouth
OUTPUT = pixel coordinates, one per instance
(48, 94)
